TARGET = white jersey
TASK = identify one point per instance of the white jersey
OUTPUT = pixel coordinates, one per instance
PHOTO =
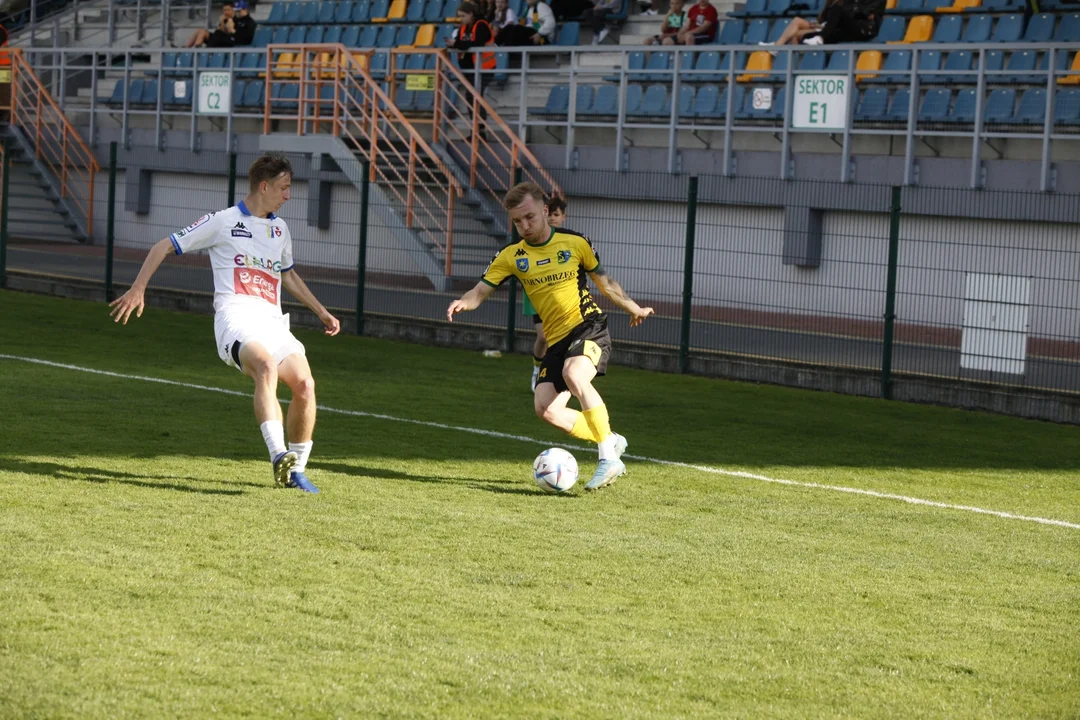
(247, 253)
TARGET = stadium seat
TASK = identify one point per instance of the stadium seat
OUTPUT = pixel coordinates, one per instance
(892, 30)
(332, 36)
(777, 30)
(920, 29)
(995, 65)
(277, 14)
(812, 61)
(935, 105)
(263, 36)
(1073, 78)
(558, 100)
(929, 67)
(731, 33)
(450, 10)
(1021, 66)
(999, 106)
(964, 108)
(378, 64)
(379, 10)
(396, 13)
(635, 63)
(948, 29)
(433, 12)
(1009, 29)
(725, 63)
(779, 67)
(387, 36)
(777, 8)
(343, 12)
(150, 93)
(327, 10)
(900, 106)
(1067, 107)
(757, 67)
(634, 95)
(959, 6)
(773, 112)
(314, 35)
(406, 36)
(655, 68)
(310, 14)
(686, 101)
(908, 7)
(350, 36)
(708, 63)
(569, 35)
(872, 105)
(752, 8)
(958, 62)
(425, 36)
(252, 62)
(293, 12)
(415, 10)
(839, 60)
(653, 102)
(369, 37)
(897, 67)
(1032, 108)
(442, 34)
(867, 65)
(705, 101)
(281, 35)
(1068, 29)
(361, 11)
(978, 29)
(297, 33)
(756, 32)
(1000, 6)
(253, 94)
(1040, 28)
(933, 5)
(284, 97)
(605, 101)
(583, 99)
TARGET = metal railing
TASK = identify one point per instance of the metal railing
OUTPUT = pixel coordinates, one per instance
(55, 141)
(134, 20)
(336, 95)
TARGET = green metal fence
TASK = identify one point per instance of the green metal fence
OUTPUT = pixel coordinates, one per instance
(908, 293)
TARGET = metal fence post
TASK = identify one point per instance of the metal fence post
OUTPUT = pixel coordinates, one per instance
(361, 258)
(110, 225)
(688, 275)
(4, 168)
(232, 179)
(511, 302)
(890, 296)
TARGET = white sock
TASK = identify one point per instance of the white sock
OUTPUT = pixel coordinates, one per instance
(607, 447)
(273, 433)
(303, 451)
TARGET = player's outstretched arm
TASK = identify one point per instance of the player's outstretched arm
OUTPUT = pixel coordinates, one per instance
(134, 299)
(469, 301)
(614, 292)
(299, 290)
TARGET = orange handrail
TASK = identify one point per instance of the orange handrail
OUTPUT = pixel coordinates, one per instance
(363, 115)
(57, 144)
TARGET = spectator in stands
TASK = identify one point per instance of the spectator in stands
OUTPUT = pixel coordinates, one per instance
(504, 16)
(244, 24)
(673, 23)
(799, 28)
(599, 17)
(225, 28)
(700, 25)
(537, 27)
(848, 21)
(235, 29)
(484, 10)
(474, 31)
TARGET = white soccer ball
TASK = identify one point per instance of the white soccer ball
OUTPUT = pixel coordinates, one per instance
(555, 470)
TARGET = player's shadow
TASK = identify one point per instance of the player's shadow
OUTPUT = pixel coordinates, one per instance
(102, 476)
(506, 487)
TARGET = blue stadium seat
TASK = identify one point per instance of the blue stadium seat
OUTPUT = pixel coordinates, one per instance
(184, 98)
(720, 111)
(812, 61)
(653, 102)
(896, 68)
(705, 101)
(558, 101)
(725, 63)
(964, 109)
(284, 97)
(415, 11)
(277, 14)
(433, 11)
(634, 95)
(327, 11)
(252, 62)
(263, 36)
(892, 29)
(134, 92)
(424, 101)
(1068, 29)
(778, 29)
(956, 62)
(910, 7)
(931, 6)
(350, 36)
(756, 32)
(995, 63)
(1040, 28)
(569, 35)
(450, 8)
(168, 62)
(999, 106)
(748, 112)
(978, 29)
(297, 33)
(708, 66)
(1009, 29)
(655, 68)
(779, 66)
(778, 8)
(1032, 108)
(1067, 107)
(583, 99)
(1021, 65)
(238, 92)
(361, 11)
(369, 37)
(929, 65)
(900, 106)
(442, 34)
(947, 29)
(1061, 64)
(686, 63)
(605, 101)
(406, 35)
(731, 33)
(310, 15)
(186, 61)
(281, 35)
(293, 12)
(343, 12)
(150, 93)
(380, 9)
(315, 34)
(332, 36)
(935, 105)
(404, 98)
(387, 36)
(839, 60)
(999, 6)
(686, 101)
(752, 8)
(635, 63)
(378, 64)
(872, 105)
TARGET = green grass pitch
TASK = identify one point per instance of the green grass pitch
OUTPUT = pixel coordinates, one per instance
(150, 568)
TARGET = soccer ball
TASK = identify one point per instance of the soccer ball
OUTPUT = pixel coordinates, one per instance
(555, 470)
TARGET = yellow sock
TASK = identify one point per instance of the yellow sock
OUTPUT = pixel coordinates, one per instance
(597, 418)
(582, 430)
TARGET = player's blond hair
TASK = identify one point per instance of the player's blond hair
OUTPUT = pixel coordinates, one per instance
(519, 192)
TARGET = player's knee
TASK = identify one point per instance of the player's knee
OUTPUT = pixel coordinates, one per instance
(546, 413)
(304, 388)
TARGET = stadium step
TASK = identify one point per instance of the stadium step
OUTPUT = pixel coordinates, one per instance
(36, 212)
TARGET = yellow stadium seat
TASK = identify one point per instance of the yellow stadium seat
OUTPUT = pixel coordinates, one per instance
(1073, 78)
(890, 4)
(397, 10)
(868, 60)
(287, 65)
(960, 6)
(425, 36)
(920, 29)
(759, 65)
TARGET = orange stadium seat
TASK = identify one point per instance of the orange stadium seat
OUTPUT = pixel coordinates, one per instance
(868, 60)
(758, 66)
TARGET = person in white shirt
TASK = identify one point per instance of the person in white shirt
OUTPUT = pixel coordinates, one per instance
(535, 27)
(504, 15)
(252, 259)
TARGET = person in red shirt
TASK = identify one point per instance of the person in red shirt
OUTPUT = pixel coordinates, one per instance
(701, 25)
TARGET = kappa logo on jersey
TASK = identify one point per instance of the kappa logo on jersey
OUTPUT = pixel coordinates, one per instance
(545, 261)
(242, 260)
(192, 227)
(239, 230)
(523, 264)
(520, 252)
(564, 256)
(255, 283)
(273, 231)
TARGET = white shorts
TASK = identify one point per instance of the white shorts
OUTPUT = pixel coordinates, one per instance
(234, 327)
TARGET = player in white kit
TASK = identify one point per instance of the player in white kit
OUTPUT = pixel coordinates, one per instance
(251, 255)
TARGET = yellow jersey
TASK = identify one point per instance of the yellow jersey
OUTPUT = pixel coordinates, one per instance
(553, 275)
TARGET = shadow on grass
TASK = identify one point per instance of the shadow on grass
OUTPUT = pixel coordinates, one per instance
(506, 487)
(101, 476)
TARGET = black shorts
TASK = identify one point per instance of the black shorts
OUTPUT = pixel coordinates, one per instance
(589, 339)
(219, 39)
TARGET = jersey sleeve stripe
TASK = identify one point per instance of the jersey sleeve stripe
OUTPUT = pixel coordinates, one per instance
(175, 244)
(596, 269)
(288, 268)
(488, 282)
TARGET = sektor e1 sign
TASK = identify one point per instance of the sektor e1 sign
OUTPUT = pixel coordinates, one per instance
(821, 102)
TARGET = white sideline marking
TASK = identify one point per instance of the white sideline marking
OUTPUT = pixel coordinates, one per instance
(525, 438)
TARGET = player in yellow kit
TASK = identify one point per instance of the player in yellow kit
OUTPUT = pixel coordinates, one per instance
(552, 266)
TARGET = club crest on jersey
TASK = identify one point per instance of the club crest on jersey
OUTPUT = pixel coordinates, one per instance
(273, 231)
(564, 256)
(523, 264)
